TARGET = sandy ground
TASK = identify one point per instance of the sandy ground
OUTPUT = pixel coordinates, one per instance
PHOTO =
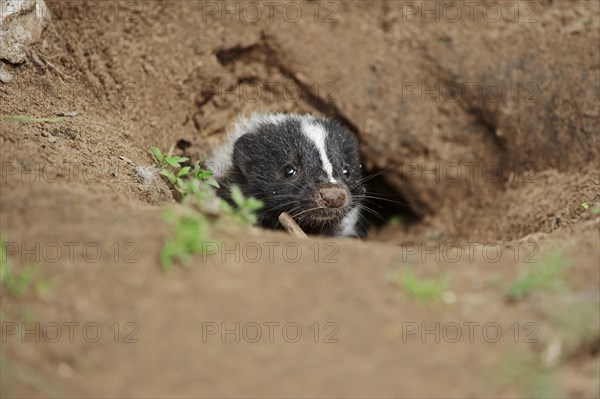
(485, 124)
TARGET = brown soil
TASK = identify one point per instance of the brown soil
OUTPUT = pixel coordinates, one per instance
(142, 74)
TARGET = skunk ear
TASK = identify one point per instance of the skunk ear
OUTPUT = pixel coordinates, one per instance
(243, 149)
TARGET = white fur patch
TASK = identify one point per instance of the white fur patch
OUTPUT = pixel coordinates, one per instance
(348, 223)
(220, 160)
(317, 134)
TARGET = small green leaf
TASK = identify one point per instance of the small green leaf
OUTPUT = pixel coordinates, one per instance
(237, 196)
(425, 290)
(172, 161)
(184, 171)
(192, 186)
(254, 204)
(44, 285)
(204, 174)
(157, 154)
(227, 208)
(585, 205)
(213, 182)
(20, 283)
(169, 175)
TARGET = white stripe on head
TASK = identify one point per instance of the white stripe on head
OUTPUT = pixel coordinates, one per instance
(317, 134)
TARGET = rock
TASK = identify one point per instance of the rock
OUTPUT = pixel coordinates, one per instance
(5, 76)
(21, 25)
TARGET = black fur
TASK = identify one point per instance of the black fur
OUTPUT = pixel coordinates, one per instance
(258, 166)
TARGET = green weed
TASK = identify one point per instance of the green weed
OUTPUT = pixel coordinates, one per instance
(185, 179)
(575, 320)
(595, 210)
(191, 232)
(245, 210)
(17, 284)
(171, 166)
(191, 226)
(13, 370)
(10, 370)
(543, 276)
(423, 290)
(526, 372)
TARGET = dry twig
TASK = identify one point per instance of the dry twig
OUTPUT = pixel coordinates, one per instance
(291, 226)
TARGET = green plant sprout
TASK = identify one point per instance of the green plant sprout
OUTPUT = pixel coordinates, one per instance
(14, 370)
(423, 290)
(192, 228)
(19, 284)
(575, 319)
(10, 369)
(199, 179)
(191, 231)
(543, 276)
(585, 206)
(171, 166)
(245, 209)
(191, 225)
(526, 372)
(183, 178)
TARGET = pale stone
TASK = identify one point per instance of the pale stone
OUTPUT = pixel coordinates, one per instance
(21, 25)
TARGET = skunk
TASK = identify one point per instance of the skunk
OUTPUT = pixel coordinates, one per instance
(304, 165)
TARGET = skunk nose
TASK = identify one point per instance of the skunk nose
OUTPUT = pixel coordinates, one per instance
(333, 197)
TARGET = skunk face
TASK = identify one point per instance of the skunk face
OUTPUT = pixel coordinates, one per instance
(306, 166)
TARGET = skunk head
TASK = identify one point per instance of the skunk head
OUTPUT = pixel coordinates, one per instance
(306, 166)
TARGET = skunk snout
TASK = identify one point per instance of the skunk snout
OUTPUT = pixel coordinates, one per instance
(333, 196)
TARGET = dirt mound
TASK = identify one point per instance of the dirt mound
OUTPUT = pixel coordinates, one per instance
(483, 124)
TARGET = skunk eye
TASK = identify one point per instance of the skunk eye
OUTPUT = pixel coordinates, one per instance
(289, 171)
(346, 171)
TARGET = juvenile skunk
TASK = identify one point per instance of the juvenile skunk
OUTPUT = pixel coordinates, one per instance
(304, 165)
